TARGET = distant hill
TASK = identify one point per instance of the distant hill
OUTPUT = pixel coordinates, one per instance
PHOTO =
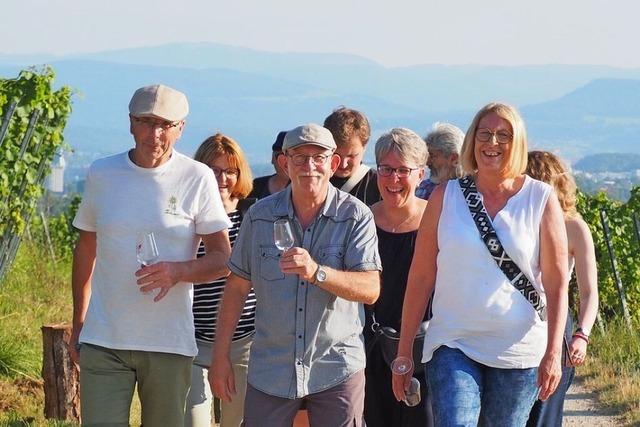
(251, 95)
(602, 116)
(609, 162)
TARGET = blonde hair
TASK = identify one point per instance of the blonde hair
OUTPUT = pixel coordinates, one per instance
(218, 145)
(517, 161)
(547, 167)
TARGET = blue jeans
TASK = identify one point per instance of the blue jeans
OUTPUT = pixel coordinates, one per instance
(468, 393)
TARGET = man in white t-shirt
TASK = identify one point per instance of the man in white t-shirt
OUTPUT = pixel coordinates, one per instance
(133, 324)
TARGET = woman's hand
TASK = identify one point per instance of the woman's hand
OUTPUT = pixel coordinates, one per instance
(549, 374)
(400, 384)
(577, 351)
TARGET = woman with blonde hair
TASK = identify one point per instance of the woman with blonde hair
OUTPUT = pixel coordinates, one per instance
(492, 246)
(233, 175)
(547, 167)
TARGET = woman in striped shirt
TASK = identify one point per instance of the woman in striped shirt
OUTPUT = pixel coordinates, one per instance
(225, 157)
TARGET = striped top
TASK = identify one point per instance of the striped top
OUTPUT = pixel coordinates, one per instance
(207, 298)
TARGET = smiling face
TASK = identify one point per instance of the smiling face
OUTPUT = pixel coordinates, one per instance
(154, 139)
(225, 176)
(492, 156)
(309, 178)
(351, 155)
(396, 191)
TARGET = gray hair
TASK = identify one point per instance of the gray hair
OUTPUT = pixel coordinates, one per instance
(405, 143)
(445, 138)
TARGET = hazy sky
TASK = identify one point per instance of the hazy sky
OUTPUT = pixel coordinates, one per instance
(392, 33)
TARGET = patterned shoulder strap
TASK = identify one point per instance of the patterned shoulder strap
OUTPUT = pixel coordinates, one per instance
(490, 238)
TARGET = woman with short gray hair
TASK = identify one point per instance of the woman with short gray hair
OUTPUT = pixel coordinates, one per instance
(400, 155)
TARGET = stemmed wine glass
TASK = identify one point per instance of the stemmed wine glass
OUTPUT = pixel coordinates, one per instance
(146, 248)
(400, 366)
(282, 234)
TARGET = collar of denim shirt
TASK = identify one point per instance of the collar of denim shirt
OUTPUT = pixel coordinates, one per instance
(284, 206)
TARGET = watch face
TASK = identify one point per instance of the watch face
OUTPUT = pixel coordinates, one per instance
(321, 275)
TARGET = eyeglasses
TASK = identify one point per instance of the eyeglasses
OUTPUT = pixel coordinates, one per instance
(150, 124)
(229, 173)
(301, 159)
(484, 135)
(401, 172)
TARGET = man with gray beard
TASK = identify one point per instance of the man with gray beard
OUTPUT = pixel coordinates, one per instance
(443, 143)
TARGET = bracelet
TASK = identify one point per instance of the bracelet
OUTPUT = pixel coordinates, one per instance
(581, 331)
(581, 336)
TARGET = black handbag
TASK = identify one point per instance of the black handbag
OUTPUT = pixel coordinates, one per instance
(387, 339)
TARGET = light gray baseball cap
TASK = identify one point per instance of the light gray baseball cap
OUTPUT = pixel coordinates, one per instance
(159, 101)
(309, 134)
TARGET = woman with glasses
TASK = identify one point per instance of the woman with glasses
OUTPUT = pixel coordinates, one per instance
(225, 157)
(547, 167)
(401, 156)
(494, 343)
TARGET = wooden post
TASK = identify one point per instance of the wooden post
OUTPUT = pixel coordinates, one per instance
(61, 376)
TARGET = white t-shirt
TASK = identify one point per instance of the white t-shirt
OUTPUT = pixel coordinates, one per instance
(475, 308)
(176, 201)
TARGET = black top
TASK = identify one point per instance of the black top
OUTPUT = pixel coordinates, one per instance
(396, 253)
(260, 187)
(366, 190)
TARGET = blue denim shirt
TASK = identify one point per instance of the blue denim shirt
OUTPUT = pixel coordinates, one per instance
(307, 339)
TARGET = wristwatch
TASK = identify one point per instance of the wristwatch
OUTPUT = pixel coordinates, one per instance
(320, 276)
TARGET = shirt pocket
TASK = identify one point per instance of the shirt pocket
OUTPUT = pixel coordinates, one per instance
(332, 256)
(270, 263)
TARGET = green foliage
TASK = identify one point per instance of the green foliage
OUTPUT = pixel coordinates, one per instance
(21, 175)
(61, 231)
(625, 246)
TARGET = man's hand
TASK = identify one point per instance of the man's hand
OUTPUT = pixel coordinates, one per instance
(298, 261)
(162, 275)
(549, 374)
(73, 344)
(222, 380)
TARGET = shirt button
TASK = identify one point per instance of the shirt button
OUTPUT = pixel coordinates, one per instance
(300, 309)
(300, 336)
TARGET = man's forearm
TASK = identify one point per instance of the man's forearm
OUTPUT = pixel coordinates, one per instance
(205, 269)
(358, 286)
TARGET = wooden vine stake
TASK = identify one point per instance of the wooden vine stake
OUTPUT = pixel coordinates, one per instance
(61, 376)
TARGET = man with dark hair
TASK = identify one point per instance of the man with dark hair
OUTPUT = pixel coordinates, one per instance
(266, 185)
(351, 131)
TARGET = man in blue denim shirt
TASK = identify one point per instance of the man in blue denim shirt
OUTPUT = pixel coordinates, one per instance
(308, 344)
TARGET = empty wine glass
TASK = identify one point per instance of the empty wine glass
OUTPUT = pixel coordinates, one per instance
(146, 248)
(282, 234)
(401, 365)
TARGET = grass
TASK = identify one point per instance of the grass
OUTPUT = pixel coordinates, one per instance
(37, 291)
(613, 370)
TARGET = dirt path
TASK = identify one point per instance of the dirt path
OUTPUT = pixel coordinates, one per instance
(581, 408)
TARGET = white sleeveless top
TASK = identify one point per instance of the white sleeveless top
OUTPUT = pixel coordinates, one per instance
(476, 309)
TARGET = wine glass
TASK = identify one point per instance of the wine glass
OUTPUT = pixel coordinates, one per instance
(282, 234)
(401, 365)
(146, 248)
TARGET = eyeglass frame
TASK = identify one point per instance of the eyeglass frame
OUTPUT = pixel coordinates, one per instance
(306, 158)
(228, 172)
(150, 124)
(396, 171)
(494, 135)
